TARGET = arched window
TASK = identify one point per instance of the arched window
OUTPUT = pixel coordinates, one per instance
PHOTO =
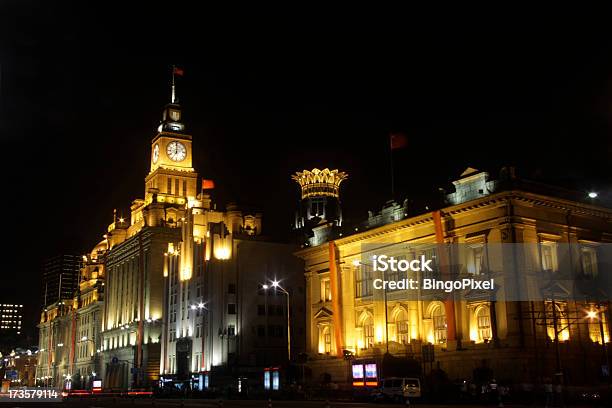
(438, 318)
(325, 339)
(368, 331)
(560, 315)
(595, 328)
(483, 323)
(401, 327)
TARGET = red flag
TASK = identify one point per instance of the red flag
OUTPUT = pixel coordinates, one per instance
(177, 71)
(398, 140)
(208, 184)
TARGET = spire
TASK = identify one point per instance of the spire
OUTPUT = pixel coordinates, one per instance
(173, 97)
(175, 72)
(172, 116)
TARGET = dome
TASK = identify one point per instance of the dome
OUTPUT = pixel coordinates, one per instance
(101, 246)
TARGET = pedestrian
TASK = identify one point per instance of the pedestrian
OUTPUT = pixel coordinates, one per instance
(548, 392)
(559, 395)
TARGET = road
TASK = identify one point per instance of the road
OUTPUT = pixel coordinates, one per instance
(207, 403)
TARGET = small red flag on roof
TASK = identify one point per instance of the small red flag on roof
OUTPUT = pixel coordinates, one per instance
(207, 184)
(398, 140)
(178, 71)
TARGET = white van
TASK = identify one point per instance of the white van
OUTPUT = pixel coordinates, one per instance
(398, 388)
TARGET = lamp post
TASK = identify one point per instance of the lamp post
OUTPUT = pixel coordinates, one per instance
(599, 314)
(276, 285)
(93, 354)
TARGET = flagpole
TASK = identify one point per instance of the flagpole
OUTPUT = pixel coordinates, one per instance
(173, 88)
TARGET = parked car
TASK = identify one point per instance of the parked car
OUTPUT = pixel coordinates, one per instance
(398, 389)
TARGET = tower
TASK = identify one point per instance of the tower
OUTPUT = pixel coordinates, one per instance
(320, 210)
(172, 176)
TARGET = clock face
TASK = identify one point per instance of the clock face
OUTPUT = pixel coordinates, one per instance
(176, 151)
(155, 153)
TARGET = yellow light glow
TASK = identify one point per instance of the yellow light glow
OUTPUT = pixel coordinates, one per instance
(592, 314)
(222, 253)
(431, 338)
(318, 182)
(186, 273)
(360, 344)
(474, 335)
(379, 334)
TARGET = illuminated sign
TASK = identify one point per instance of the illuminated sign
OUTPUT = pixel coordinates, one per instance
(370, 371)
(275, 380)
(357, 371)
(266, 380)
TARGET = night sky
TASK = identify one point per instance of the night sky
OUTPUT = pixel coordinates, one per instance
(82, 90)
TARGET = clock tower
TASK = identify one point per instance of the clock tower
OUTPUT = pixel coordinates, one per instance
(172, 174)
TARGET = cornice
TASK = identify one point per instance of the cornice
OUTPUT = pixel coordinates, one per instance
(497, 199)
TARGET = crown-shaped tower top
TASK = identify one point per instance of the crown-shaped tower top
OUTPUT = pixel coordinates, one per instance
(317, 183)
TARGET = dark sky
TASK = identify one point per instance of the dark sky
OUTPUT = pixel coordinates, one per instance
(82, 89)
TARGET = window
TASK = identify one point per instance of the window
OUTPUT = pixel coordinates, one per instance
(325, 290)
(169, 186)
(198, 361)
(475, 261)
(276, 330)
(176, 186)
(231, 288)
(231, 308)
(438, 318)
(261, 331)
(231, 330)
(325, 339)
(363, 281)
(198, 332)
(483, 323)
(261, 310)
(185, 188)
(317, 208)
(401, 326)
(557, 314)
(280, 311)
(548, 254)
(589, 261)
(430, 253)
(368, 332)
(595, 326)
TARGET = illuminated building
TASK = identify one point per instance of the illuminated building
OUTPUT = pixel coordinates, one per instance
(183, 282)
(11, 317)
(11, 327)
(346, 317)
(69, 330)
(56, 343)
(60, 278)
(320, 213)
(19, 367)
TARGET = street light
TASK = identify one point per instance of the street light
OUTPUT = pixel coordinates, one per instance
(599, 314)
(276, 285)
(593, 194)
